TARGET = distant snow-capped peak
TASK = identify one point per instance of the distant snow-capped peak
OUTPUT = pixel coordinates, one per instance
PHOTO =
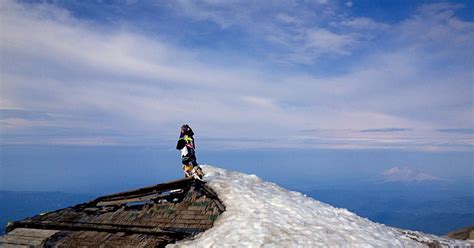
(405, 174)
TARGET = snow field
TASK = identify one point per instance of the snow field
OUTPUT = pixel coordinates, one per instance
(262, 214)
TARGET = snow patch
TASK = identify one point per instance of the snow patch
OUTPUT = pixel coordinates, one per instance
(262, 214)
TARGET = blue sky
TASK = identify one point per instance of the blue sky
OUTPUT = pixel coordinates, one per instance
(244, 74)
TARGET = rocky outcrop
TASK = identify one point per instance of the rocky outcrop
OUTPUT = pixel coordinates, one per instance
(463, 234)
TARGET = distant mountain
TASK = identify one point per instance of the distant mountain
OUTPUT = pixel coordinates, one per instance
(407, 175)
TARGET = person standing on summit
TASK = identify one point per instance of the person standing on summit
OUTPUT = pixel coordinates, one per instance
(187, 147)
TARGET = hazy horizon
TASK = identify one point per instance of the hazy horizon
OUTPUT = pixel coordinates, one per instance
(99, 169)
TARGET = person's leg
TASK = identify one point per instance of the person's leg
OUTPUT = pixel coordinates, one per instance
(197, 169)
(198, 172)
(187, 167)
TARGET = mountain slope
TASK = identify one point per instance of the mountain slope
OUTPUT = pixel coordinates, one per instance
(260, 213)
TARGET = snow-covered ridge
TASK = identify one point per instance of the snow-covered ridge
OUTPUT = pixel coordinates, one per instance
(262, 214)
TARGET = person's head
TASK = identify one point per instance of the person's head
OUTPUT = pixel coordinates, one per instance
(186, 130)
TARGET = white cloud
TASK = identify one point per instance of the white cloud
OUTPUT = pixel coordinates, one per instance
(363, 23)
(260, 102)
(285, 18)
(327, 42)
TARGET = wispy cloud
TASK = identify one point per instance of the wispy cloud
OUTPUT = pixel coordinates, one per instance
(327, 42)
(385, 130)
(297, 30)
(363, 23)
(457, 130)
(23, 114)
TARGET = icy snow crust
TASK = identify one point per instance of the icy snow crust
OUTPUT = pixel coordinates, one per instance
(262, 214)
